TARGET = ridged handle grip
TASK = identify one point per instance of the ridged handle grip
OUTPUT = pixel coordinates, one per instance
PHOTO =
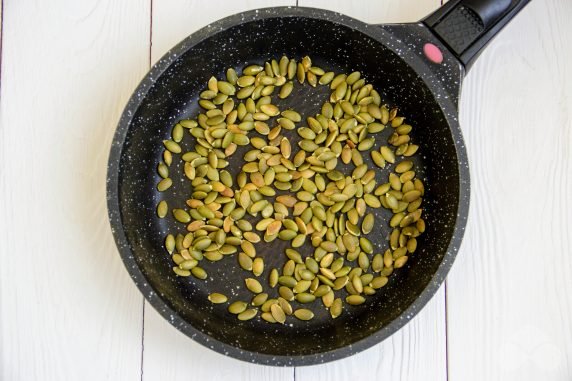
(467, 26)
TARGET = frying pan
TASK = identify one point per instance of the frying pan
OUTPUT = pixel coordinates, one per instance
(418, 67)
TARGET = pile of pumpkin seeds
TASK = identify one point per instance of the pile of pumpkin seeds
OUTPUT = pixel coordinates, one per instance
(298, 194)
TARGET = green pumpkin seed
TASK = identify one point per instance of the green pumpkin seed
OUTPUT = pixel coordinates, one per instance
(277, 313)
(267, 316)
(253, 285)
(217, 298)
(245, 261)
(378, 159)
(336, 308)
(286, 293)
(387, 154)
(367, 224)
(162, 209)
(302, 286)
(286, 90)
(172, 146)
(327, 78)
(287, 281)
(237, 307)
(170, 243)
(371, 200)
(226, 88)
(182, 216)
(355, 300)
(270, 109)
(181, 272)
(379, 282)
(258, 266)
(259, 299)
(199, 272)
(366, 144)
(304, 314)
(164, 184)
(248, 314)
(353, 77)
(305, 297)
(404, 166)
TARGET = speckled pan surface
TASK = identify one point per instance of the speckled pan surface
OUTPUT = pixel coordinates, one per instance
(390, 57)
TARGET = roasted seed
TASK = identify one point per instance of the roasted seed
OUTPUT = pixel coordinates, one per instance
(162, 209)
(248, 314)
(355, 300)
(277, 313)
(304, 314)
(237, 307)
(217, 298)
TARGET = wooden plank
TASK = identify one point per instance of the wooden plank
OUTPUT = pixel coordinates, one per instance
(418, 351)
(174, 20)
(69, 309)
(509, 304)
(168, 354)
(377, 12)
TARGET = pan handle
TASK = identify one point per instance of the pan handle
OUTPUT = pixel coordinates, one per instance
(467, 26)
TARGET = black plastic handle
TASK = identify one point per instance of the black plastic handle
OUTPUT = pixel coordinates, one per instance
(467, 26)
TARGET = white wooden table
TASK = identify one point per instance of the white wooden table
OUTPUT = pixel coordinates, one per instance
(68, 309)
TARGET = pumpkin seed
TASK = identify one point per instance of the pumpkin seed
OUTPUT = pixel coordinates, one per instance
(248, 314)
(286, 90)
(162, 209)
(273, 278)
(277, 313)
(267, 316)
(258, 266)
(217, 298)
(237, 307)
(181, 272)
(305, 297)
(164, 184)
(355, 300)
(253, 285)
(245, 261)
(304, 314)
(199, 272)
(259, 299)
(387, 154)
(181, 215)
(336, 308)
(379, 282)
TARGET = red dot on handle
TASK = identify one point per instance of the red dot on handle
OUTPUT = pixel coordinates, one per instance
(433, 53)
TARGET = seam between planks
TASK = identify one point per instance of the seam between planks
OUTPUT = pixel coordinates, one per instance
(150, 31)
(446, 328)
(1, 38)
(142, 337)
(143, 297)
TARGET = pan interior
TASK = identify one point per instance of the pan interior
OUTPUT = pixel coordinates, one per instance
(174, 96)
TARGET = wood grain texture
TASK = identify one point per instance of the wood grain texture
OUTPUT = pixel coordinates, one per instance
(509, 294)
(174, 20)
(168, 354)
(416, 352)
(68, 308)
(378, 11)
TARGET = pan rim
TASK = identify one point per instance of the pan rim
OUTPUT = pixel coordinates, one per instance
(113, 203)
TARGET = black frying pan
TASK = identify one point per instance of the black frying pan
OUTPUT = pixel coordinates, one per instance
(418, 67)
